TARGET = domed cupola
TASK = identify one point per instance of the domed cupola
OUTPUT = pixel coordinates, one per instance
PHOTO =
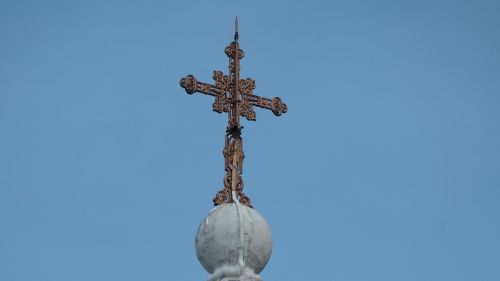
(233, 243)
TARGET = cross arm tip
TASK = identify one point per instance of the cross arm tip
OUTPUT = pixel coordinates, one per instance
(278, 107)
(189, 83)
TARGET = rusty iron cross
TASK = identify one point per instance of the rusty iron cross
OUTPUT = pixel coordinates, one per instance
(234, 96)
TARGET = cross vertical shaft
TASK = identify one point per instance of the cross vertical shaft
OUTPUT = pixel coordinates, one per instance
(233, 148)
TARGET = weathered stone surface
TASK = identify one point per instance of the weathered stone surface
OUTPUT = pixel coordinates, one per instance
(233, 243)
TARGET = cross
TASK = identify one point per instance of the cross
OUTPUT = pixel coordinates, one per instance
(234, 96)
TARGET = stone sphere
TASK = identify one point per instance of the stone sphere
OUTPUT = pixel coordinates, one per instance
(234, 241)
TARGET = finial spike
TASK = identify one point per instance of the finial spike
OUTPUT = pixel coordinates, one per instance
(236, 28)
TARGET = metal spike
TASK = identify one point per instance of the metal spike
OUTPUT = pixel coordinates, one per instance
(236, 28)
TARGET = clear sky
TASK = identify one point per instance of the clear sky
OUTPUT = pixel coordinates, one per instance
(386, 166)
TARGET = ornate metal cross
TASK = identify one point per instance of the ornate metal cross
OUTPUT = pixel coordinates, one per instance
(234, 96)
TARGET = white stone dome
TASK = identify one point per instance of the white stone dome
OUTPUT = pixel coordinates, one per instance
(234, 241)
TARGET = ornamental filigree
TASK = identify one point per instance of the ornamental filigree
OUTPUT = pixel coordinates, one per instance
(247, 111)
(222, 82)
(246, 86)
(234, 96)
(221, 104)
(231, 50)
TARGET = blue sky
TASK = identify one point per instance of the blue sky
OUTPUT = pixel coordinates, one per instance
(386, 166)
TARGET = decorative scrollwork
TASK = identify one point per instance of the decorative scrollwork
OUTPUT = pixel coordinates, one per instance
(239, 183)
(221, 104)
(230, 51)
(222, 82)
(246, 86)
(247, 111)
(221, 197)
(189, 83)
(227, 180)
(245, 200)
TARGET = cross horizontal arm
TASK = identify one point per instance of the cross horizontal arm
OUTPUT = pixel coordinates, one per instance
(275, 105)
(191, 85)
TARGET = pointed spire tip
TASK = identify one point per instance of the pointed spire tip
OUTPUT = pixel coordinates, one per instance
(236, 28)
